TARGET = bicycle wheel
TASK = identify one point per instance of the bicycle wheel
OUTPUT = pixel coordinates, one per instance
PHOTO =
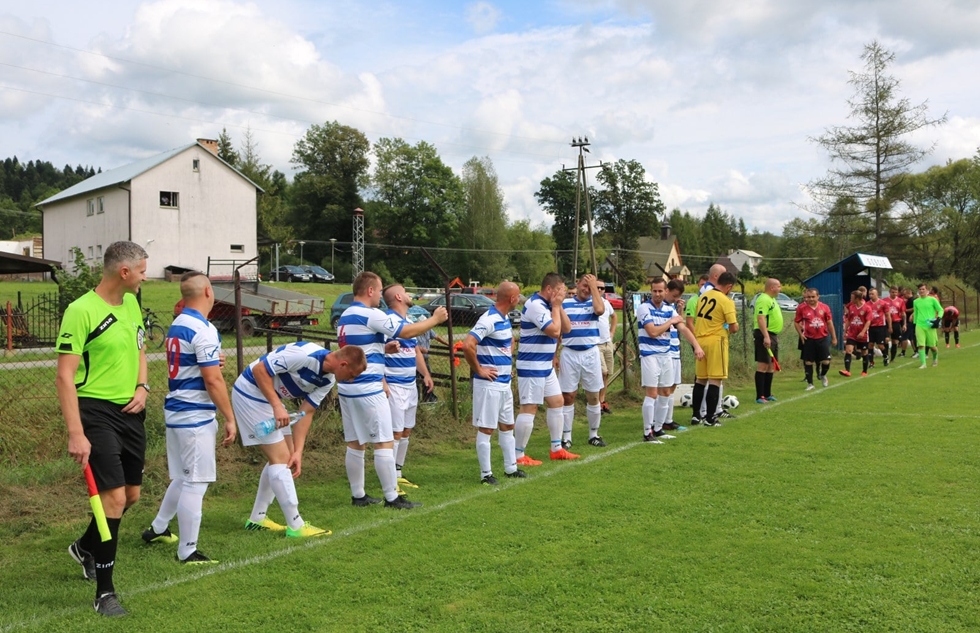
(155, 336)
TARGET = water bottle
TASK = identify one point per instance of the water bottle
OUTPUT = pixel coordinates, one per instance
(265, 427)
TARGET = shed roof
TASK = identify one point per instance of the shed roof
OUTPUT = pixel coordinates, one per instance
(14, 264)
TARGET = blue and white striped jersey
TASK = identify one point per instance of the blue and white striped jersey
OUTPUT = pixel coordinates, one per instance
(675, 337)
(494, 343)
(536, 353)
(585, 324)
(648, 313)
(192, 343)
(400, 366)
(296, 370)
(367, 328)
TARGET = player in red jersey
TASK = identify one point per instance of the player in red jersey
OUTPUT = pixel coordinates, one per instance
(857, 321)
(896, 314)
(815, 325)
(951, 323)
(878, 332)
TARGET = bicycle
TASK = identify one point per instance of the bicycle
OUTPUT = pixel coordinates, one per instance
(154, 333)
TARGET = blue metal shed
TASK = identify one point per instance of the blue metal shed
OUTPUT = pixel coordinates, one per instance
(836, 282)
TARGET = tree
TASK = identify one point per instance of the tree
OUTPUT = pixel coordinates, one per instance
(531, 259)
(628, 206)
(871, 156)
(271, 210)
(483, 227)
(556, 195)
(226, 151)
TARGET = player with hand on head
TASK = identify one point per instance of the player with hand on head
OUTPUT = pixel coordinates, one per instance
(102, 388)
(542, 321)
(815, 325)
(579, 362)
(488, 351)
(857, 321)
(197, 391)
(364, 403)
(926, 313)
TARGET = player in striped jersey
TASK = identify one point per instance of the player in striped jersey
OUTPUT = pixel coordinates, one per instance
(675, 290)
(303, 371)
(363, 402)
(542, 321)
(487, 351)
(197, 390)
(655, 319)
(400, 369)
(579, 362)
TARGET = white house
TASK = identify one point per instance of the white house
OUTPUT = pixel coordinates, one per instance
(739, 257)
(182, 206)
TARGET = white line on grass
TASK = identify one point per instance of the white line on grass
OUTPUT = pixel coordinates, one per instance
(394, 518)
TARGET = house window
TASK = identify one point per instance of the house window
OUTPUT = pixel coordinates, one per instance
(101, 206)
(196, 164)
(90, 255)
(237, 248)
(169, 199)
(90, 206)
(98, 251)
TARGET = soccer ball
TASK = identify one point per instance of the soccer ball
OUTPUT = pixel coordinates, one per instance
(730, 402)
(686, 400)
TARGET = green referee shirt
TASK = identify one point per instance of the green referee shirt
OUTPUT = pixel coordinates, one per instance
(109, 339)
(766, 305)
(691, 307)
(925, 309)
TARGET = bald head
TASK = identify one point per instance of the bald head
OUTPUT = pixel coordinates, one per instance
(196, 291)
(715, 272)
(508, 294)
(773, 286)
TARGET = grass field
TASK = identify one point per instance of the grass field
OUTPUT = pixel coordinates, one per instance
(852, 508)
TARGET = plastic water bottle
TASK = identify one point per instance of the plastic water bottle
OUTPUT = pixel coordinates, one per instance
(265, 427)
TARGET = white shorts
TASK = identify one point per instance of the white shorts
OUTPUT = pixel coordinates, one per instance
(493, 404)
(580, 367)
(404, 403)
(248, 413)
(535, 390)
(657, 370)
(190, 453)
(677, 371)
(367, 420)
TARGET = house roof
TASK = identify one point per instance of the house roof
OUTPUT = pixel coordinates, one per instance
(126, 173)
(654, 251)
(748, 253)
(730, 266)
(12, 263)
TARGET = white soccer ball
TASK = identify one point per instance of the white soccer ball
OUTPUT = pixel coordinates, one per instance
(729, 402)
(686, 400)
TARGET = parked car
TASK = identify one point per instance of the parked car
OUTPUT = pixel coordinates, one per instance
(343, 302)
(320, 275)
(467, 309)
(615, 300)
(738, 298)
(290, 273)
(783, 300)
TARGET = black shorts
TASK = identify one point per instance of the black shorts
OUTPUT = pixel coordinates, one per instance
(816, 350)
(118, 442)
(909, 334)
(878, 334)
(949, 324)
(896, 330)
(761, 355)
(857, 345)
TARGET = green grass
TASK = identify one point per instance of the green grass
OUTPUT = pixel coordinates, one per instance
(852, 508)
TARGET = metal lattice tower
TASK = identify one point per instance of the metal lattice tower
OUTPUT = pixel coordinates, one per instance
(358, 250)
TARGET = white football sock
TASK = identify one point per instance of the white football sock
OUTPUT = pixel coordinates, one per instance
(555, 420)
(522, 432)
(593, 413)
(483, 453)
(660, 413)
(670, 409)
(400, 455)
(568, 419)
(721, 396)
(505, 439)
(189, 517)
(281, 480)
(263, 497)
(648, 413)
(168, 507)
(394, 451)
(384, 465)
(355, 472)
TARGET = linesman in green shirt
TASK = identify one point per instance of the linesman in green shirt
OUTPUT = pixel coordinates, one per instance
(102, 389)
(926, 310)
(768, 323)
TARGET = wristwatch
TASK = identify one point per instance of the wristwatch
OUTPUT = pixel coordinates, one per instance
(144, 385)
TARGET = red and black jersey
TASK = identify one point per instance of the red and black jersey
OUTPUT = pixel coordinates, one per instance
(879, 312)
(897, 309)
(814, 320)
(951, 312)
(854, 320)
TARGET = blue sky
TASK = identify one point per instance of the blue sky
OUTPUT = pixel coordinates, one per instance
(716, 99)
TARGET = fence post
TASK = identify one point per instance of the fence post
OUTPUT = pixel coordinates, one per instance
(10, 330)
(449, 337)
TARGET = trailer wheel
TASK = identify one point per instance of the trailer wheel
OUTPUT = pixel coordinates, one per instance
(334, 322)
(248, 327)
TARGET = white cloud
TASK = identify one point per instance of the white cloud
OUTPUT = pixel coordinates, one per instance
(482, 16)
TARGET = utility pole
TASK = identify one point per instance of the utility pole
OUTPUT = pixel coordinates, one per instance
(358, 250)
(582, 189)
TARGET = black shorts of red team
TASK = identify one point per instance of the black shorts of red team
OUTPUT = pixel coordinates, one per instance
(857, 345)
(761, 355)
(949, 322)
(816, 350)
(878, 334)
(896, 330)
(118, 442)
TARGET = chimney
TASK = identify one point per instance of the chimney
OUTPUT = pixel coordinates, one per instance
(209, 144)
(665, 230)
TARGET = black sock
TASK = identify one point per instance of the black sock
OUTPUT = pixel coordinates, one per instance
(712, 401)
(698, 398)
(864, 363)
(91, 536)
(767, 377)
(105, 559)
(847, 362)
(956, 337)
(760, 385)
(824, 368)
(894, 351)
(808, 370)
(946, 334)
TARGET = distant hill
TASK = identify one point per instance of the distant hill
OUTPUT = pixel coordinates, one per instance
(22, 186)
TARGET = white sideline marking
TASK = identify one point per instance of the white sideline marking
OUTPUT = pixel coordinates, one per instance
(401, 516)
